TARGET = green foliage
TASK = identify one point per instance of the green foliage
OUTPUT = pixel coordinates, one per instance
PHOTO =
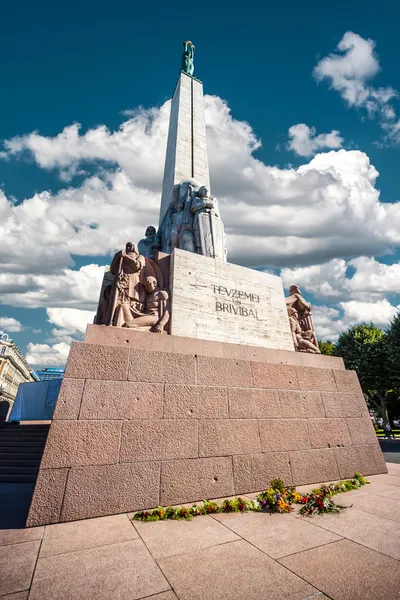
(328, 348)
(393, 352)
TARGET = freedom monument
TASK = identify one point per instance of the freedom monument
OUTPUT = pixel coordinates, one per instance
(199, 379)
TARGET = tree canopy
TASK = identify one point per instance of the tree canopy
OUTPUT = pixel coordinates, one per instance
(375, 356)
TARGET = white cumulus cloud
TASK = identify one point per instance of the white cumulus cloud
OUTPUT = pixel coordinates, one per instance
(43, 355)
(304, 141)
(349, 71)
(10, 325)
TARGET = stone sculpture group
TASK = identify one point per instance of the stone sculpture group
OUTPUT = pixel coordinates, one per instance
(136, 298)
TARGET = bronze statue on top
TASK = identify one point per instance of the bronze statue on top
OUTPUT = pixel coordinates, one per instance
(301, 323)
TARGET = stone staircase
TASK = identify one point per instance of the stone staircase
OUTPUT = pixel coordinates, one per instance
(21, 449)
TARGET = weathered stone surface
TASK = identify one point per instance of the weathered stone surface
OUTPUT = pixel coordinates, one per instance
(344, 404)
(356, 459)
(197, 402)
(328, 433)
(245, 403)
(122, 400)
(48, 497)
(90, 361)
(224, 437)
(76, 443)
(215, 300)
(347, 381)
(223, 371)
(191, 480)
(143, 340)
(362, 432)
(159, 440)
(124, 570)
(69, 399)
(110, 489)
(17, 563)
(292, 404)
(162, 367)
(314, 466)
(313, 405)
(277, 377)
(281, 435)
(316, 379)
(253, 472)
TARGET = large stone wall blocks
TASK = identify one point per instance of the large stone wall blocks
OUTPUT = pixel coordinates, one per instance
(111, 489)
(190, 480)
(48, 497)
(356, 458)
(159, 440)
(316, 379)
(69, 399)
(122, 400)
(195, 402)
(215, 370)
(362, 432)
(279, 435)
(163, 367)
(328, 433)
(347, 381)
(245, 403)
(344, 404)
(76, 443)
(92, 361)
(274, 376)
(254, 471)
(225, 437)
(314, 466)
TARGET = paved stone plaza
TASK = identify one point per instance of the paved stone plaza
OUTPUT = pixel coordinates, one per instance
(352, 556)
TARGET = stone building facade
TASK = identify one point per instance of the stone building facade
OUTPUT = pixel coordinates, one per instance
(13, 370)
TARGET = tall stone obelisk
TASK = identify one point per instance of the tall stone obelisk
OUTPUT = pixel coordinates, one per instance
(186, 157)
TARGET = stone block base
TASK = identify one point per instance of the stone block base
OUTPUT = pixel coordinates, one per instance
(134, 428)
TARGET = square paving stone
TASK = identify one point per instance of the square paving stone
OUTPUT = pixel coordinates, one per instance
(385, 479)
(344, 570)
(369, 530)
(165, 596)
(167, 538)
(69, 537)
(393, 469)
(275, 534)
(16, 566)
(232, 571)
(19, 596)
(389, 508)
(118, 571)
(16, 536)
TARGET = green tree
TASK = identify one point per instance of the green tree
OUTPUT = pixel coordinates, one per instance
(327, 348)
(393, 350)
(364, 349)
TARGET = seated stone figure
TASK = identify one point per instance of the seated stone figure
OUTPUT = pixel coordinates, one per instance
(155, 314)
(304, 341)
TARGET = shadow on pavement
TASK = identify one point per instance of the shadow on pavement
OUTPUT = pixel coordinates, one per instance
(15, 499)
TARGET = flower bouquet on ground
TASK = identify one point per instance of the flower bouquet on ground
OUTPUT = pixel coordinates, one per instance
(276, 498)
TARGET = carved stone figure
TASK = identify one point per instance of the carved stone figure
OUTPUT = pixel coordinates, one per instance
(301, 323)
(187, 58)
(208, 229)
(305, 341)
(181, 235)
(148, 244)
(127, 296)
(102, 309)
(155, 313)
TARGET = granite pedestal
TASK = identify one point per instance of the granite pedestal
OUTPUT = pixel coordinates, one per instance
(145, 419)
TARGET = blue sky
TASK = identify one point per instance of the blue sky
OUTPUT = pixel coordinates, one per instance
(73, 62)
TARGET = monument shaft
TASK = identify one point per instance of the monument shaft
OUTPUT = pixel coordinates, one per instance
(186, 156)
